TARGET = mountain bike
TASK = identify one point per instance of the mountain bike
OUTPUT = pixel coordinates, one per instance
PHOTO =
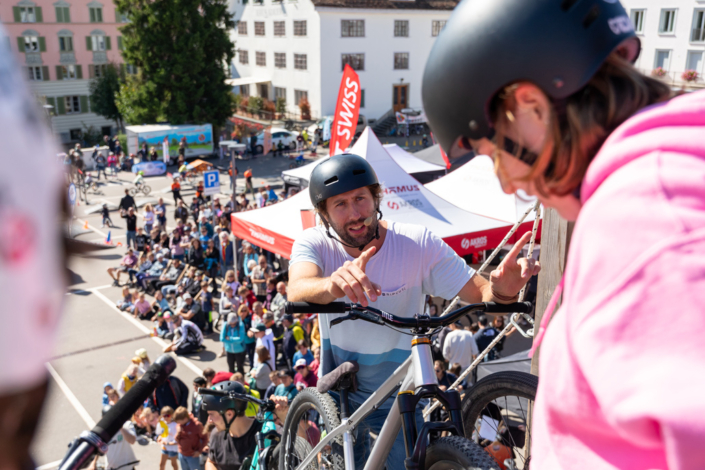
(140, 187)
(266, 457)
(415, 379)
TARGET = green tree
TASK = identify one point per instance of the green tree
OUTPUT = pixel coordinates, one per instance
(102, 92)
(182, 48)
(137, 101)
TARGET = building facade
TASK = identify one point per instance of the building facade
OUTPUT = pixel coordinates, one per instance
(672, 37)
(61, 46)
(295, 49)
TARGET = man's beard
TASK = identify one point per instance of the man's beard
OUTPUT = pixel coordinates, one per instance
(361, 240)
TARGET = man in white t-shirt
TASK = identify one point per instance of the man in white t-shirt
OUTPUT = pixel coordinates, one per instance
(120, 454)
(387, 265)
(460, 346)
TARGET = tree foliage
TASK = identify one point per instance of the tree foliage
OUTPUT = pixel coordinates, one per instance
(137, 101)
(181, 48)
(102, 92)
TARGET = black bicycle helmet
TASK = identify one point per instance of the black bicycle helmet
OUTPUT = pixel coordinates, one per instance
(489, 44)
(222, 404)
(340, 174)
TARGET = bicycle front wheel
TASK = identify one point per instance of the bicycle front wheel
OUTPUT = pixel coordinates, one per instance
(458, 453)
(311, 415)
(146, 189)
(497, 408)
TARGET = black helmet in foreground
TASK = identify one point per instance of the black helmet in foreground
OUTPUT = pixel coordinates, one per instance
(340, 174)
(489, 44)
(222, 404)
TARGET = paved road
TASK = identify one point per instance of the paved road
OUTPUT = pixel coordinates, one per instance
(96, 341)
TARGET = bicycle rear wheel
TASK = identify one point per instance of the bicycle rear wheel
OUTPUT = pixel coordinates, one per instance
(497, 408)
(458, 453)
(146, 190)
(310, 413)
(133, 192)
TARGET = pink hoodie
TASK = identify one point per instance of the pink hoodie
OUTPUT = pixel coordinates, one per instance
(622, 370)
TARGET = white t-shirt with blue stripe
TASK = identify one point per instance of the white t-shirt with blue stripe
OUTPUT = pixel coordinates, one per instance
(412, 263)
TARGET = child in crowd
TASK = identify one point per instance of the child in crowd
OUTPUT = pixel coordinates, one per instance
(163, 328)
(107, 387)
(197, 400)
(105, 213)
(151, 420)
(274, 377)
(167, 438)
(142, 307)
(127, 300)
(190, 439)
(303, 352)
(113, 397)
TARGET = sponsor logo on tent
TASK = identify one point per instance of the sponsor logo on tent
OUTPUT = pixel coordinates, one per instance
(474, 242)
(401, 189)
(261, 236)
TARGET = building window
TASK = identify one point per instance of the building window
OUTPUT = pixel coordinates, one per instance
(437, 26)
(96, 14)
(76, 134)
(35, 73)
(356, 61)
(73, 104)
(668, 21)
(62, 15)
(242, 28)
(99, 70)
(300, 28)
(68, 72)
(694, 61)
(280, 28)
(245, 90)
(362, 98)
(31, 44)
(698, 32)
(259, 28)
(638, 20)
(106, 130)
(352, 28)
(300, 62)
(401, 28)
(260, 59)
(279, 93)
(244, 57)
(663, 59)
(122, 17)
(65, 43)
(28, 15)
(131, 69)
(298, 95)
(97, 43)
(280, 60)
(401, 61)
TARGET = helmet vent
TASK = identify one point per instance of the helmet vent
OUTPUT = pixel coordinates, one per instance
(591, 16)
(330, 181)
(358, 172)
(568, 4)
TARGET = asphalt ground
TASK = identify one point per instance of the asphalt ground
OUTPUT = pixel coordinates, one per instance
(96, 341)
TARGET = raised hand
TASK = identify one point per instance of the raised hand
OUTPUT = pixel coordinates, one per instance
(512, 273)
(351, 280)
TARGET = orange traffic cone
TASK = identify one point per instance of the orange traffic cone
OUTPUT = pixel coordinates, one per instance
(119, 244)
(85, 225)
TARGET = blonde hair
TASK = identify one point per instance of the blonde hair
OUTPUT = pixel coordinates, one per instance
(576, 133)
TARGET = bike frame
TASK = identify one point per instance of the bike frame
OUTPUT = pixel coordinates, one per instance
(416, 371)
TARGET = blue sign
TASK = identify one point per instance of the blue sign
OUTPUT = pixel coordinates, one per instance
(150, 168)
(72, 195)
(211, 182)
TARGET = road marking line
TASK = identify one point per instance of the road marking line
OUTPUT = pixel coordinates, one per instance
(71, 397)
(85, 222)
(143, 328)
(82, 291)
(49, 465)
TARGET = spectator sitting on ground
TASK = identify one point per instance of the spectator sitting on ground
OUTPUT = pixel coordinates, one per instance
(304, 374)
(163, 325)
(188, 279)
(127, 301)
(143, 264)
(190, 339)
(168, 277)
(127, 380)
(279, 302)
(160, 303)
(192, 311)
(145, 363)
(142, 308)
(107, 387)
(153, 273)
(286, 388)
(127, 263)
(303, 352)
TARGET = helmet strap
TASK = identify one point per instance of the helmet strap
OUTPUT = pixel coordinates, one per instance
(361, 247)
(228, 423)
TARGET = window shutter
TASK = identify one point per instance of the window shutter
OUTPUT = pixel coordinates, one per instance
(59, 14)
(38, 14)
(20, 43)
(117, 15)
(89, 43)
(92, 14)
(42, 44)
(59, 72)
(84, 104)
(60, 105)
(99, 15)
(119, 41)
(67, 15)
(91, 71)
(52, 102)
(45, 73)
(107, 43)
(79, 72)
(16, 13)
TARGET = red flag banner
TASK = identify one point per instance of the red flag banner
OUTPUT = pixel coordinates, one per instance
(346, 112)
(443, 153)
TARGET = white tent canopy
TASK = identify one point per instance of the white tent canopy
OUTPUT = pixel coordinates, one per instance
(474, 187)
(405, 201)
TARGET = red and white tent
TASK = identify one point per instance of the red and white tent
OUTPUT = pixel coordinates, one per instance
(275, 227)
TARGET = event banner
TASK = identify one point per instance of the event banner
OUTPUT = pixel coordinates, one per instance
(408, 119)
(346, 112)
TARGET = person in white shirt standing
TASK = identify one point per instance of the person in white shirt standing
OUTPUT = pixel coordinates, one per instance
(460, 346)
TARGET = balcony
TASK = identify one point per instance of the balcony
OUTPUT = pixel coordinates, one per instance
(100, 57)
(675, 80)
(33, 58)
(67, 58)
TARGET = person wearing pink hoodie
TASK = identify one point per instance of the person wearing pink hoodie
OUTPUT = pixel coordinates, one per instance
(573, 123)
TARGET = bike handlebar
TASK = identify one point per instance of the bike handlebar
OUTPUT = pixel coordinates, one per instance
(380, 317)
